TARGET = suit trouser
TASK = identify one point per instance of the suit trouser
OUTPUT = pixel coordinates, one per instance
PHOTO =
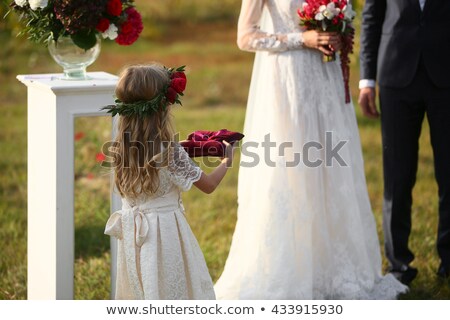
(402, 114)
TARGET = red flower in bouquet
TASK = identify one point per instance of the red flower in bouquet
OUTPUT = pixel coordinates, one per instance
(327, 15)
(131, 28)
(332, 16)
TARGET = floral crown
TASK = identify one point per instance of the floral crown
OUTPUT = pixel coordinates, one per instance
(169, 94)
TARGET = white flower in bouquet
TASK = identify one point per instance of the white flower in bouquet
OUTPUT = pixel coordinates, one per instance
(35, 4)
(329, 11)
(21, 3)
(319, 16)
(111, 32)
(348, 12)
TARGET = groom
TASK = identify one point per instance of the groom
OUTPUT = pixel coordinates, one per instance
(405, 47)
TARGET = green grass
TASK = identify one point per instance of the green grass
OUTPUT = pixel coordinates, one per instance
(219, 77)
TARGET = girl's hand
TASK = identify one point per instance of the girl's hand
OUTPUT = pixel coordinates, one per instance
(229, 153)
(325, 42)
(209, 182)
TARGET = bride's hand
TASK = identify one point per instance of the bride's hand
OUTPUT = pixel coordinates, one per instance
(325, 42)
(337, 45)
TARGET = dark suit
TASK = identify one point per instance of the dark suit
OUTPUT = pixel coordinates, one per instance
(407, 51)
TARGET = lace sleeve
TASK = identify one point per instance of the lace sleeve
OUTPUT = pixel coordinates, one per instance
(252, 38)
(183, 171)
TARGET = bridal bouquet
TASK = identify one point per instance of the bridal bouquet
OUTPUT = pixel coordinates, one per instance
(82, 20)
(332, 16)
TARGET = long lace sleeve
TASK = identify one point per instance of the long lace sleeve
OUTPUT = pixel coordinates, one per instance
(252, 38)
(183, 171)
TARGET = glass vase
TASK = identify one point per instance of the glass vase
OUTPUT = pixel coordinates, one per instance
(72, 58)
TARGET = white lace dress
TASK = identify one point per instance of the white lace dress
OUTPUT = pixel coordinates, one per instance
(158, 255)
(305, 230)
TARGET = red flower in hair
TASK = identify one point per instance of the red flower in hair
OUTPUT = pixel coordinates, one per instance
(103, 25)
(178, 74)
(114, 7)
(178, 84)
(171, 95)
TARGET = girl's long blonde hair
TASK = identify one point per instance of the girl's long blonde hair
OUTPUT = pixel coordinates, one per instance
(142, 144)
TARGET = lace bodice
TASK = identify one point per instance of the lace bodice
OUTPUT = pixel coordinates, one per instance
(180, 173)
(287, 34)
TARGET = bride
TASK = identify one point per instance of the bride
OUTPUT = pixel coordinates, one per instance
(304, 231)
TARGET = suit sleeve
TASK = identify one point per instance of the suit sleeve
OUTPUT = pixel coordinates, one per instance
(371, 29)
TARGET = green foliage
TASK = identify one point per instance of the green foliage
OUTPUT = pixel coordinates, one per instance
(38, 25)
(85, 39)
(147, 107)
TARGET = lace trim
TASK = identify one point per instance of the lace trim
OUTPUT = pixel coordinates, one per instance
(275, 42)
(295, 40)
(183, 171)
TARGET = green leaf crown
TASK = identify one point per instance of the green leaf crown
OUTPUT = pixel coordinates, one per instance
(170, 94)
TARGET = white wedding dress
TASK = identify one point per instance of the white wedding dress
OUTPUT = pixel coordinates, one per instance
(302, 232)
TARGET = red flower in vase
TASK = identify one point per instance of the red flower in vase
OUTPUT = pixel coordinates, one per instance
(103, 25)
(114, 7)
(131, 28)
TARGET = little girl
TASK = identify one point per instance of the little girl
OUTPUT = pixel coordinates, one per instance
(158, 255)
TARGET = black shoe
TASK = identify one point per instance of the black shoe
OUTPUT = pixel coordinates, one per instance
(443, 272)
(405, 276)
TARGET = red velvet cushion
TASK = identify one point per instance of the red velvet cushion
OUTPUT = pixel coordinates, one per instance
(203, 143)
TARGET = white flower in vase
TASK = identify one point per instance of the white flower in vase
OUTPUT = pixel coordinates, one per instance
(111, 32)
(21, 3)
(35, 4)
